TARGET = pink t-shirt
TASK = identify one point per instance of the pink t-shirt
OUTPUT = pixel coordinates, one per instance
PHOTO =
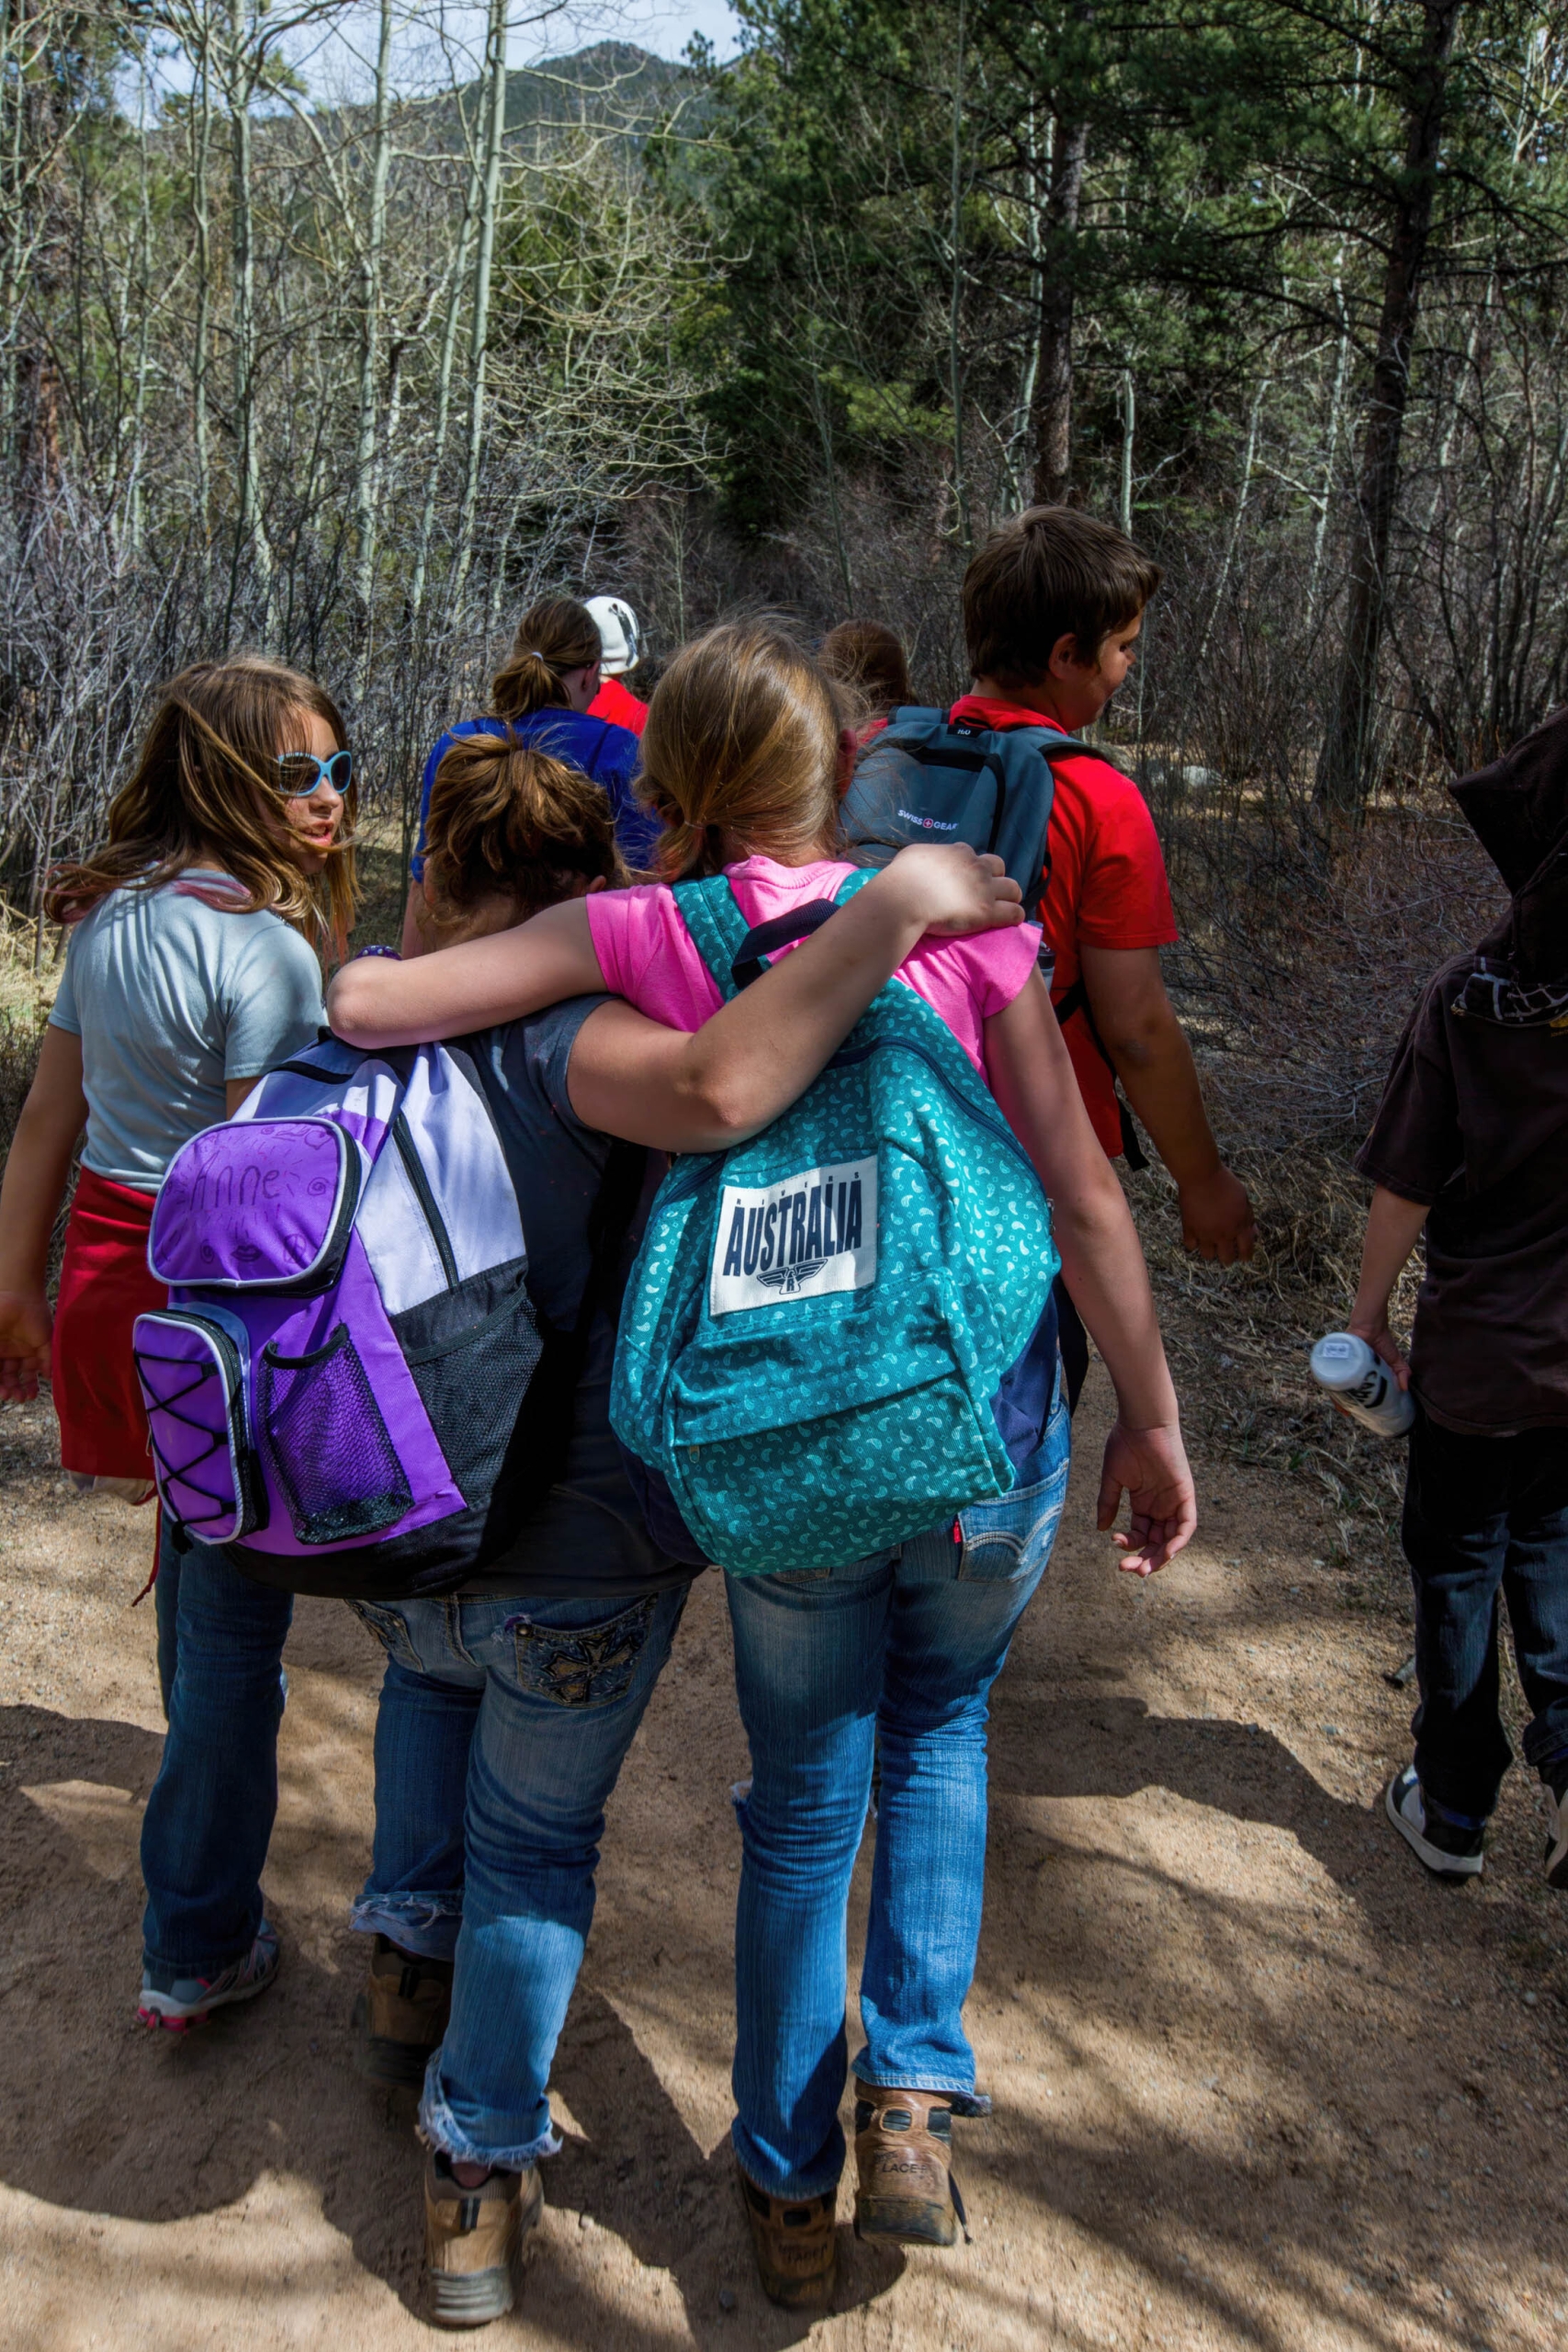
(647, 955)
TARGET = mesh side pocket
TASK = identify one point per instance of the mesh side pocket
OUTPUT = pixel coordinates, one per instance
(472, 1378)
(328, 1445)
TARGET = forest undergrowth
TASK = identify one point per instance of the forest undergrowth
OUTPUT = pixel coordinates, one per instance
(1302, 958)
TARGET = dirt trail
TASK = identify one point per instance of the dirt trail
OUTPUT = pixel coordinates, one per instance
(1256, 2081)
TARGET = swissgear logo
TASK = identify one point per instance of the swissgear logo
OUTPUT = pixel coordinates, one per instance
(806, 1234)
(929, 824)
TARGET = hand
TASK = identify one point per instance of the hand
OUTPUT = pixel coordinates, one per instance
(26, 1329)
(948, 889)
(1152, 1466)
(1217, 1218)
(1374, 1330)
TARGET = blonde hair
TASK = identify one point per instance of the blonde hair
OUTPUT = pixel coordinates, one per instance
(505, 821)
(202, 787)
(742, 738)
(555, 635)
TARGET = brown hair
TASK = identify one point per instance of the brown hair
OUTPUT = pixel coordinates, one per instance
(202, 787)
(505, 821)
(743, 737)
(554, 635)
(1048, 573)
(868, 658)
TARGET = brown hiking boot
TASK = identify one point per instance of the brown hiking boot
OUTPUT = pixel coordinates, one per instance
(903, 2156)
(794, 2241)
(472, 2239)
(400, 2017)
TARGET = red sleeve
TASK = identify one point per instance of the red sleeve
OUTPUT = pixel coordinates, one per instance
(1124, 896)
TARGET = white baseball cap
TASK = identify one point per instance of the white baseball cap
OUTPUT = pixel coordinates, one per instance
(618, 633)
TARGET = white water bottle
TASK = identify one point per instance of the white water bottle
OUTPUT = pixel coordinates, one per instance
(1362, 1382)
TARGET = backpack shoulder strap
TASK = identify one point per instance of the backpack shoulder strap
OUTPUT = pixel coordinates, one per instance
(734, 951)
(710, 912)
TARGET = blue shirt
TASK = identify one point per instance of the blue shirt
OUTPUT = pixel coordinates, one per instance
(607, 753)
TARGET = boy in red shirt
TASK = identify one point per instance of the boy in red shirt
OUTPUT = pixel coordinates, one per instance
(1053, 604)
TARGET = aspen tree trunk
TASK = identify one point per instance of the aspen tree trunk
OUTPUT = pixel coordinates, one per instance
(1249, 458)
(490, 195)
(365, 465)
(144, 263)
(459, 266)
(1344, 767)
(1054, 382)
(1331, 448)
(201, 217)
(251, 532)
(1128, 426)
(1037, 184)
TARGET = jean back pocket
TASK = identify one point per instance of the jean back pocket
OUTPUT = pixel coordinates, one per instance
(583, 1666)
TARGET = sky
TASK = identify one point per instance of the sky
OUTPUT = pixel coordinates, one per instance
(558, 28)
(336, 63)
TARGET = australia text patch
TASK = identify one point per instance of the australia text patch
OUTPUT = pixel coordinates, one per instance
(808, 1233)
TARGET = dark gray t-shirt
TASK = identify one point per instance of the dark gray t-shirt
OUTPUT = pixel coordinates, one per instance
(588, 1539)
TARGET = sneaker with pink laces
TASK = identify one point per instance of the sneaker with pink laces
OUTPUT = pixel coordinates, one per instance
(177, 2003)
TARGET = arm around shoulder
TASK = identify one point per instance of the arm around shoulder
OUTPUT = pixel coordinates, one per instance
(375, 1002)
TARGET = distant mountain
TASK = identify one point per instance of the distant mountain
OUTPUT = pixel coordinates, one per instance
(611, 86)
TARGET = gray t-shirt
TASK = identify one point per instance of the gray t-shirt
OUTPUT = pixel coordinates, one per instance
(171, 998)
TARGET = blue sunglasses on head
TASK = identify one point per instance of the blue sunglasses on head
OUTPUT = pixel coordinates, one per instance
(304, 775)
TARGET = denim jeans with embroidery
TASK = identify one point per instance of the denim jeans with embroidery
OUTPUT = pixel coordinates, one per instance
(515, 1715)
(897, 1653)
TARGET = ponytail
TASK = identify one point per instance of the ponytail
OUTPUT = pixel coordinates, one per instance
(508, 822)
(555, 635)
(742, 742)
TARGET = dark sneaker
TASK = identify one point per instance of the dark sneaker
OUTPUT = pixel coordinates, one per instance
(1556, 1861)
(179, 2002)
(1451, 1845)
(904, 2159)
(400, 2018)
(795, 2245)
(473, 2238)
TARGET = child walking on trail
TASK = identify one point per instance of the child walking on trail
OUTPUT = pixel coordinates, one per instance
(743, 757)
(542, 694)
(1053, 608)
(507, 1709)
(191, 972)
(1471, 1145)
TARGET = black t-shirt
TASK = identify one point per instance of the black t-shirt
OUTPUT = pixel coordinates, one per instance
(588, 1539)
(1473, 1122)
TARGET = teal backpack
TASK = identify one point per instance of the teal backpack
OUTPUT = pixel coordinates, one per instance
(818, 1319)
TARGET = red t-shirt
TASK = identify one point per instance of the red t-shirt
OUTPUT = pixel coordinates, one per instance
(1107, 886)
(614, 702)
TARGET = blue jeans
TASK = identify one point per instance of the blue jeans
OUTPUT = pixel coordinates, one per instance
(208, 1820)
(1486, 1520)
(898, 1652)
(503, 1727)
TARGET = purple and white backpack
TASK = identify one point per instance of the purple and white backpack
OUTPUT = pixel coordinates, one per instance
(341, 1389)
